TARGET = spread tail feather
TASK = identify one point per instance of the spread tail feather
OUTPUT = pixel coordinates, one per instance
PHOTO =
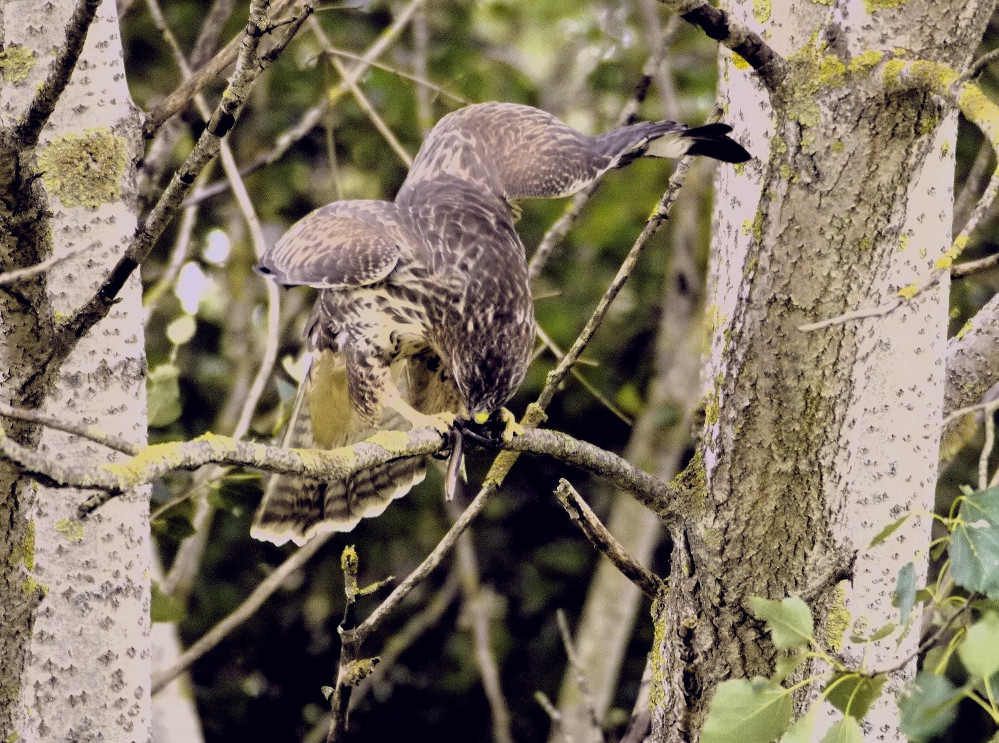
(297, 508)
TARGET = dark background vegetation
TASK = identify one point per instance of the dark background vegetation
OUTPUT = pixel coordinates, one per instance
(579, 60)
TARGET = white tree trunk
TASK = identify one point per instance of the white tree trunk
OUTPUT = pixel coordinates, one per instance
(814, 441)
(84, 664)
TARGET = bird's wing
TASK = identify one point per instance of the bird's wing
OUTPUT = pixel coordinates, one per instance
(518, 152)
(341, 245)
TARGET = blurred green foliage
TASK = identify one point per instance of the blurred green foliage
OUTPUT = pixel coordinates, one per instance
(578, 59)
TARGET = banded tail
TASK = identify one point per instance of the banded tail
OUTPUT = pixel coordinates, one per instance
(297, 508)
(669, 139)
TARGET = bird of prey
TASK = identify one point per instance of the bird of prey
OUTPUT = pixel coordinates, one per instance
(425, 312)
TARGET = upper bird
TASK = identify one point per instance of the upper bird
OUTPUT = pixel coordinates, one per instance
(425, 305)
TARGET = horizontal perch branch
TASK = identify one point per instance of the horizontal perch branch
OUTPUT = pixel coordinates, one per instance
(156, 460)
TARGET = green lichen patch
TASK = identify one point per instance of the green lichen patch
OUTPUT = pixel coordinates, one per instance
(812, 70)
(865, 62)
(762, 10)
(71, 529)
(24, 553)
(84, 169)
(838, 619)
(873, 6)
(15, 63)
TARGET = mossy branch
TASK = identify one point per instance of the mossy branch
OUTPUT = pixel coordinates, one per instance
(156, 460)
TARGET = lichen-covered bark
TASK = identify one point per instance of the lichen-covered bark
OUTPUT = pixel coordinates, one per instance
(813, 438)
(73, 596)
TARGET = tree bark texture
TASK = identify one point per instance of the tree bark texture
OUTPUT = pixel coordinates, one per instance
(74, 595)
(814, 441)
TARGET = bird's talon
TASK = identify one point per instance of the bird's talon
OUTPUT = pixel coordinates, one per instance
(511, 427)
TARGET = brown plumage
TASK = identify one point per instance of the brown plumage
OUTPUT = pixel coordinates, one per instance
(425, 305)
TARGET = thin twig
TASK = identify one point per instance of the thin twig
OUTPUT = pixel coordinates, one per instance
(564, 223)
(961, 412)
(580, 675)
(182, 96)
(961, 270)
(248, 67)
(600, 397)
(89, 433)
(437, 604)
(48, 93)
(21, 274)
(352, 669)
(973, 185)
(478, 610)
(659, 216)
(604, 542)
(552, 711)
(178, 256)
(314, 115)
(189, 555)
(429, 564)
(929, 641)
(244, 611)
(421, 80)
(978, 66)
(350, 80)
(886, 308)
(987, 445)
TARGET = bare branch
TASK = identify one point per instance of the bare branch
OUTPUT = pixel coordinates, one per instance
(478, 609)
(564, 223)
(248, 68)
(972, 364)
(350, 80)
(185, 93)
(580, 676)
(659, 216)
(973, 184)
(977, 67)
(84, 432)
(604, 542)
(244, 611)
(961, 270)
(721, 26)
(21, 274)
(314, 115)
(29, 128)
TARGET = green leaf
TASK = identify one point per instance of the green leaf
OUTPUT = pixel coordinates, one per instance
(163, 395)
(163, 607)
(928, 708)
(786, 665)
(974, 543)
(176, 525)
(846, 730)
(853, 693)
(802, 729)
(788, 620)
(756, 711)
(904, 596)
(980, 650)
(883, 535)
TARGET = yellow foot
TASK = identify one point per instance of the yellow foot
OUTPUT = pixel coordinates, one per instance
(510, 426)
(440, 422)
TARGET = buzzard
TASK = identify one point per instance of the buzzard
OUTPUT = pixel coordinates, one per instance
(424, 312)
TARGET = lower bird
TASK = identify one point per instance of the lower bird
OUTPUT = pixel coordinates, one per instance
(424, 313)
